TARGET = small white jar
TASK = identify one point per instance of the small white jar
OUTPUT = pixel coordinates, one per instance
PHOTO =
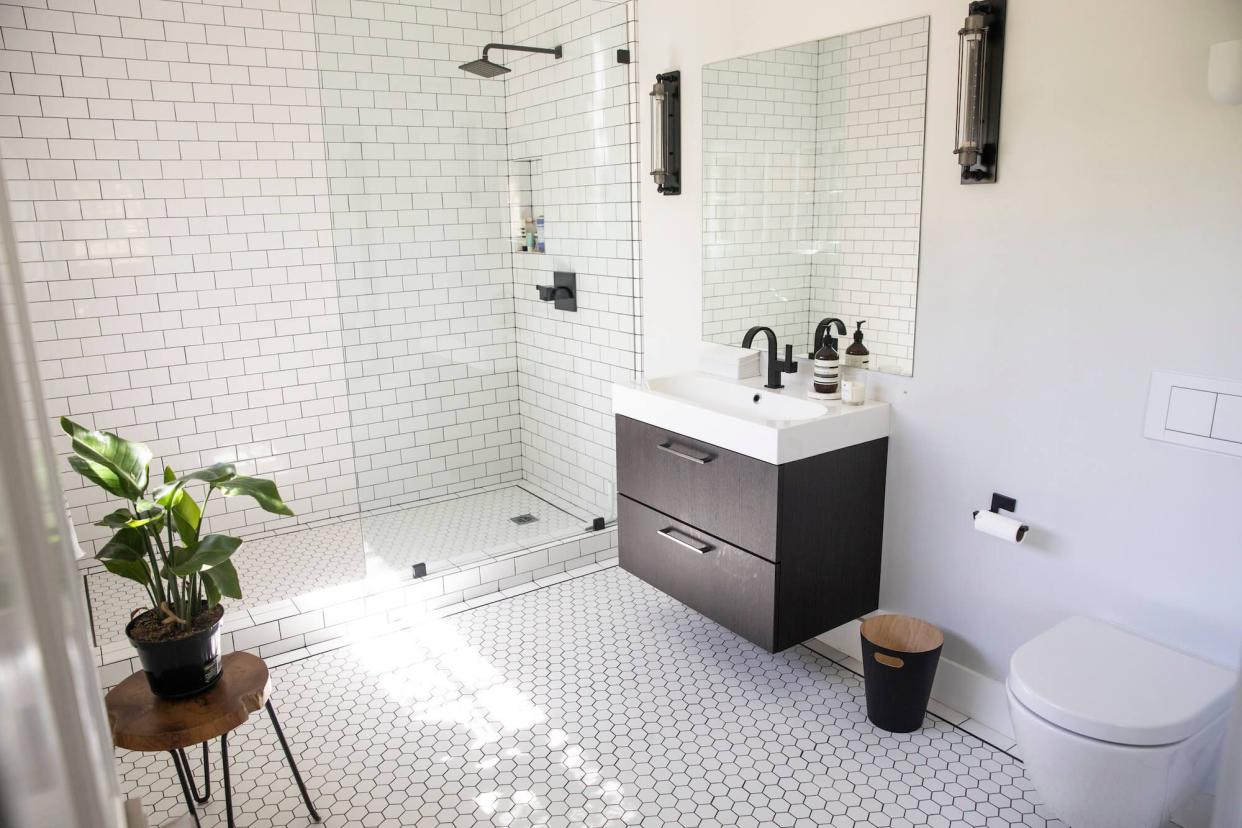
(853, 386)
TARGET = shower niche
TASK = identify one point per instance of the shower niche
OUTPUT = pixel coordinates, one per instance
(526, 205)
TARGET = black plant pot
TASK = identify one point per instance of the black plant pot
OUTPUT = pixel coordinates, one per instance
(182, 667)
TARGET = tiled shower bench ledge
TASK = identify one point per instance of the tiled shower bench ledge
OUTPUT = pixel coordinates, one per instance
(329, 618)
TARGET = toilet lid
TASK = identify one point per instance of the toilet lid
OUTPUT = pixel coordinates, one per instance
(1099, 681)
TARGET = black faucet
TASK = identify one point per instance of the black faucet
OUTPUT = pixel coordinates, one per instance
(825, 326)
(776, 366)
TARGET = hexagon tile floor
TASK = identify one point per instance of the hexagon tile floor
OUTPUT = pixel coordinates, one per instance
(597, 701)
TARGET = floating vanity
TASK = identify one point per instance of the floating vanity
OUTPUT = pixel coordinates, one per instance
(763, 510)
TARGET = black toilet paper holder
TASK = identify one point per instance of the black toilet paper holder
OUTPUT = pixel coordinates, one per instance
(1004, 502)
(1000, 501)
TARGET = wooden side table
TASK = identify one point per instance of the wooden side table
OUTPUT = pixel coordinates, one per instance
(142, 721)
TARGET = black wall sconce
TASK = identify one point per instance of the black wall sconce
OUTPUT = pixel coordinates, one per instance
(980, 53)
(666, 133)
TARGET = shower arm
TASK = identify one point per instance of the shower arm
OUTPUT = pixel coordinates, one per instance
(553, 51)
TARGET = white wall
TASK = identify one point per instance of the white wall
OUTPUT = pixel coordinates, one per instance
(1110, 246)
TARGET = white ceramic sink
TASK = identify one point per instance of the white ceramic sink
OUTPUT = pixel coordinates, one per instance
(776, 426)
(759, 405)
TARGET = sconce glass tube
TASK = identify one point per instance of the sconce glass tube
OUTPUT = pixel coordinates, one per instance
(971, 89)
(658, 100)
(666, 133)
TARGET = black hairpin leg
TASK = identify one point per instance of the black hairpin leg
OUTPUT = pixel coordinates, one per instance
(297, 777)
(228, 791)
(202, 798)
(185, 787)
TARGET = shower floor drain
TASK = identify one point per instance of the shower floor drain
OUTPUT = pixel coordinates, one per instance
(522, 520)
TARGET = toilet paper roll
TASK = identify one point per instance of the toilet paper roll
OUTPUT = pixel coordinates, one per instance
(1000, 526)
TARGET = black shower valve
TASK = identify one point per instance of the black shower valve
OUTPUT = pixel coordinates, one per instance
(548, 293)
(563, 291)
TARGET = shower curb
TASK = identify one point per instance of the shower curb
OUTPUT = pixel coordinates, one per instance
(331, 618)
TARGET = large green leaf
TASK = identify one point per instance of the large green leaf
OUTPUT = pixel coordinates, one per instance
(216, 473)
(185, 513)
(213, 592)
(263, 491)
(126, 545)
(149, 513)
(211, 551)
(134, 570)
(223, 578)
(117, 465)
(117, 519)
(100, 477)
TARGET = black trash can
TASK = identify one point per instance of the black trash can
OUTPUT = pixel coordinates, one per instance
(900, 655)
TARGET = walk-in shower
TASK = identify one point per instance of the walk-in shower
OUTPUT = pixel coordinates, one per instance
(485, 68)
(317, 269)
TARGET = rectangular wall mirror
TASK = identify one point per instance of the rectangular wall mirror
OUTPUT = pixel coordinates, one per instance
(812, 186)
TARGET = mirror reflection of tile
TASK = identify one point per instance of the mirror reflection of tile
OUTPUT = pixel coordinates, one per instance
(813, 166)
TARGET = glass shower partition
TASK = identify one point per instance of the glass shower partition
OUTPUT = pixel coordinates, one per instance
(479, 416)
(383, 353)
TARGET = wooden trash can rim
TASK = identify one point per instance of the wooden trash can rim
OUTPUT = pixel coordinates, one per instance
(902, 633)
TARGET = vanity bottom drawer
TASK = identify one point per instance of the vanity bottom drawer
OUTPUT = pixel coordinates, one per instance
(730, 586)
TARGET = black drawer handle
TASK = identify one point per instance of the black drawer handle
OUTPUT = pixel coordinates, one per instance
(692, 543)
(693, 455)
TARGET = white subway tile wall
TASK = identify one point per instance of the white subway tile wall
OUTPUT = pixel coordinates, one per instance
(759, 142)
(869, 180)
(166, 165)
(812, 189)
(276, 232)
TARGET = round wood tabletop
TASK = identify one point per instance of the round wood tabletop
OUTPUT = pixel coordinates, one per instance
(141, 720)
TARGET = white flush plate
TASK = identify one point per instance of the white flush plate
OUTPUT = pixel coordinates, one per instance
(1201, 412)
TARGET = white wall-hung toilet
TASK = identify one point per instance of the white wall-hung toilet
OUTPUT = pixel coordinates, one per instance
(1115, 730)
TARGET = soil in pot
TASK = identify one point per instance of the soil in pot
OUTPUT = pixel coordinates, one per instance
(178, 662)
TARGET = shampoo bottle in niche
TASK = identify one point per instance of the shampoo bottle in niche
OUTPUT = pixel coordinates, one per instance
(827, 380)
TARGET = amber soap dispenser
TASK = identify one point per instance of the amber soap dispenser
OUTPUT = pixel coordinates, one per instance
(827, 380)
(857, 355)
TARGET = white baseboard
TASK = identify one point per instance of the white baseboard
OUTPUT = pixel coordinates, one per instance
(973, 694)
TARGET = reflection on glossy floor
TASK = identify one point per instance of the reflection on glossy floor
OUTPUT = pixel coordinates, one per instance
(383, 546)
(595, 701)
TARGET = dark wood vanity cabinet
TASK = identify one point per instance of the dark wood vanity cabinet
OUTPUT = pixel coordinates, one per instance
(776, 553)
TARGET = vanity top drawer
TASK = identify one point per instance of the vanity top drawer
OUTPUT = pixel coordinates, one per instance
(732, 496)
(733, 588)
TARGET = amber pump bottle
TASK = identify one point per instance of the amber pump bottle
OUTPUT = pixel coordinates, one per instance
(857, 355)
(827, 381)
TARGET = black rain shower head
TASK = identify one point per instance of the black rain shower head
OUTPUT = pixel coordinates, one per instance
(485, 68)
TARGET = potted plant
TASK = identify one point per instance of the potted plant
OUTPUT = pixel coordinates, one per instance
(159, 543)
